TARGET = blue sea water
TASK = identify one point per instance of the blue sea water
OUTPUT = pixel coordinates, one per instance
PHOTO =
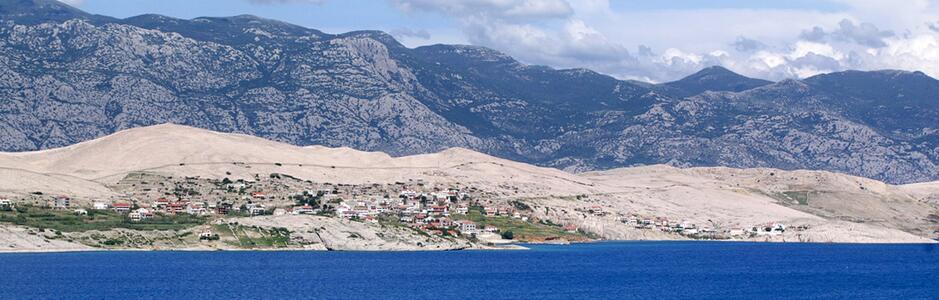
(610, 270)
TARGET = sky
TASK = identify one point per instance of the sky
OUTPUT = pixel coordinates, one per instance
(647, 40)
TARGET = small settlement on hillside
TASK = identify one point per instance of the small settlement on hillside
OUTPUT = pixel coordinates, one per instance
(447, 210)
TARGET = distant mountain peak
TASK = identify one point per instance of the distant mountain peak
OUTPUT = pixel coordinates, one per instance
(478, 53)
(874, 73)
(881, 86)
(713, 78)
(716, 69)
(714, 73)
(39, 11)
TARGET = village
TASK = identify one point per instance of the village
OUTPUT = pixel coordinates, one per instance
(429, 208)
(433, 209)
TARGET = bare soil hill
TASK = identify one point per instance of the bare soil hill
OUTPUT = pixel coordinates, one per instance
(833, 207)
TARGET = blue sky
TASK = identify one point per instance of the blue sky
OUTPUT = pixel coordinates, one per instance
(631, 39)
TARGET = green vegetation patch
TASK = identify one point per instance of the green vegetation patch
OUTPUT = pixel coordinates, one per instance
(68, 221)
(521, 230)
(250, 237)
(802, 197)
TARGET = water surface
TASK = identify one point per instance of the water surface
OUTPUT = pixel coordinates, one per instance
(613, 270)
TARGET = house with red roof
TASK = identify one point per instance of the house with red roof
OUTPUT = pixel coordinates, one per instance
(121, 207)
(177, 207)
(570, 228)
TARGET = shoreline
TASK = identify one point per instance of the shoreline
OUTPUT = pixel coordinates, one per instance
(506, 247)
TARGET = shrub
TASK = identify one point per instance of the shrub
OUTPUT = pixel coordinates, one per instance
(520, 205)
(508, 235)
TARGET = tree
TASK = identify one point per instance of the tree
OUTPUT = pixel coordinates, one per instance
(508, 235)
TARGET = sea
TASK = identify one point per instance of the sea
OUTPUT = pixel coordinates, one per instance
(605, 270)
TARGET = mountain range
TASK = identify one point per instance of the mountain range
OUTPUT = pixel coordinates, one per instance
(68, 76)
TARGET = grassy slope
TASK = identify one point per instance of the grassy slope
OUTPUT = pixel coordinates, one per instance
(68, 221)
(524, 231)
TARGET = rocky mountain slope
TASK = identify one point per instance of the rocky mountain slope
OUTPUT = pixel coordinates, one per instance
(68, 76)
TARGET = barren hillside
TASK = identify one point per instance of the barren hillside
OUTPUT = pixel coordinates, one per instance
(833, 206)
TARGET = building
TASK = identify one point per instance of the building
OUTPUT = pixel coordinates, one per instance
(466, 226)
(440, 210)
(161, 203)
(140, 214)
(208, 235)
(490, 228)
(61, 202)
(121, 207)
(145, 214)
(177, 207)
(597, 210)
(7, 204)
(570, 228)
(490, 211)
(770, 229)
(100, 206)
(256, 209)
(344, 211)
(223, 208)
(306, 209)
(440, 223)
(197, 209)
(134, 216)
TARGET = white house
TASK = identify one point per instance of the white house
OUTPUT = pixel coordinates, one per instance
(302, 210)
(256, 209)
(62, 202)
(466, 226)
(100, 206)
(6, 203)
(134, 216)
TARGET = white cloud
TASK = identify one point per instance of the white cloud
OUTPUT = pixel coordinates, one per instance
(673, 56)
(73, 2)
(769, 60)
(501, 9)
(803, 48)
(920, 52)
(865, 34)
(768, 43)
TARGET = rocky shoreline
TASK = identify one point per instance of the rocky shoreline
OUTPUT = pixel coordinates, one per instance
(12, 240)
